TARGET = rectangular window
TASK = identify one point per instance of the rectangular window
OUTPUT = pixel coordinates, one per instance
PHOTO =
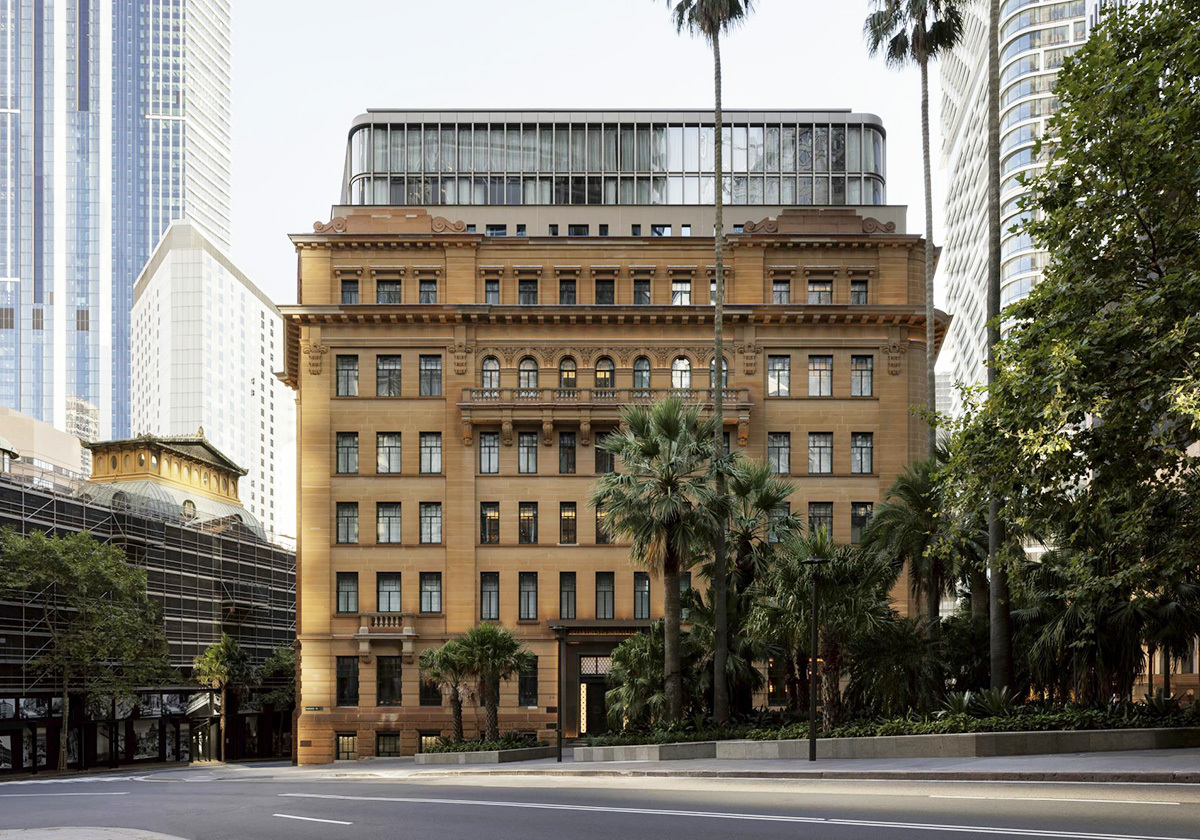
(779, 376)
(660, 230)
(862, 445)
(489, 523)
(778, 513)
(387, 681)
(387, 452)
(681, 292)
(577, 230)
(527, 685)
(820, 515)
(496, 230)
(431, 523)
(489, 596)
(489, 452)
(387, 376)
(431, 695)
(779, 452)
(858, 292)
(566, 595)
(491, 292)
(431, 592)
(605, 293)
(641, 596)
(347, 376)
(347, 522)
(820, 291)
(387, 591)
(527, 523)
(606, 462)
(820, 376)
(527, 452)
(431, 376)
(527, 292)
(387, 744)
(389, 291)
(820, 452)
(347, 452)
(528, 595)
(860, 515)
(349, 292)
(641, 292)
(387, 523)
(428, 291)
(347, 592)
(431, 452)
(347, 746)
(566, 292)
(568, 533)
(862, 372)
(776, 681)
(566, 453)
(602, 535)
(605, 594)
(347, 680)
(781, 291)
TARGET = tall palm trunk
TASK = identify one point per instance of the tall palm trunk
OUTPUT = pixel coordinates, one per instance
(224, 721)
(456, 713)
(831, 682)
(720, 580)
(672, 678)
(933, 609)
(1000, 641)
(979, 594)
(492, 711)
(1166, 666)
(930, 346)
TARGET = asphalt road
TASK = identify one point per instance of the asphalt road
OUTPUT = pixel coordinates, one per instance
(197, 805)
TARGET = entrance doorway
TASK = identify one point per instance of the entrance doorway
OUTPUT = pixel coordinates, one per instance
(593, 685)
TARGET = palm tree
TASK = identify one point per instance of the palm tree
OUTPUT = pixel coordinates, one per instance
(895, 670)
(916, 32)
(493, 653)
(663, 503)
(710, 18)
(760, 518)
(906, 530)
(223, 664)
(450, 668)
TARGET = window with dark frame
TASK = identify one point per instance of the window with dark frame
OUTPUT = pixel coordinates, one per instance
(860, 517)
(347, 376)
(489, 452)
(347, 680)
(527, 593)
(681, 292)
(606, 462)
(568, 533)
(347, 523)
(387, 744)
(568, 375)
(605, 374)
(566, 453)
(387, 592)
(489, 596)
(641, 596)
(491, 292)
(387, 523)
(489, 523)
(527, 685)
(387, 453)
(347, 746)
(781, 291)
(527, 452)
(820, 453)
(347, 592)
(431, 523)
(577, 230)
(527, 523)
(820, 515)
(431, 592)
(431, 453)
(389, 292)
(779, 376)
(566, 595)
(777, 513)
(820, 376)
(858, 292)
(641, 292)
(431, 376)
(605, 595)
(428, 291)
(602, 536)
(566, 292)
(605, 293)
(779, 452)
(387, 376)
(820, 291)
(387, 680)
(862, 446)
(527, 292)
(862, 372)
(431, 692)
(349, 292)
(347, 452)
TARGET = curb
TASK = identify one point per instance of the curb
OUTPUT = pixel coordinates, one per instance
(1149, 777)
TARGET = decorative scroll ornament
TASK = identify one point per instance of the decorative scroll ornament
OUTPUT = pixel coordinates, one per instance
(506, 431)
(765, 226)
(335, 225)
(465, 427)
(895, 350)
(749, 354)
(743, 431)
(461, 351)
(509, 354)
(872, 225)
(585, 433)
(663, 355)
(547, 354)
(315, 352)
(547, 433)
(444, 225)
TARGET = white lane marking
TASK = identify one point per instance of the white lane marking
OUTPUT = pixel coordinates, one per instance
(1053, 799)
(312, 819)
(97, 793)
(722, 815)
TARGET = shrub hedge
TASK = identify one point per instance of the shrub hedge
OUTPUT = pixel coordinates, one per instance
(511, 741)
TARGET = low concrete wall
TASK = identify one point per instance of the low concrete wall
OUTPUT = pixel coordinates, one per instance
(486, 756)
(971, 745)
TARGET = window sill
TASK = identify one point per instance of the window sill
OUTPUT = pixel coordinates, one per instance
(528, 621)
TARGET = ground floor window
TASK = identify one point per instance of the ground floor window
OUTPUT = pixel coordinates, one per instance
(387, 744)
(347, 746)
(425, 740)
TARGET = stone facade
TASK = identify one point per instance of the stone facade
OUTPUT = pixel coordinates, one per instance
(405, 256)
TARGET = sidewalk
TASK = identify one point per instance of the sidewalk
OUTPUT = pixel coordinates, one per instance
(1149, 766)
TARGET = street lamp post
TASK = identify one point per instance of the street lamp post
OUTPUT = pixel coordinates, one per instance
(812, 663)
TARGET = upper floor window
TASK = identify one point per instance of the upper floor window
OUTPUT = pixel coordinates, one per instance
(489, 452)
(387, 376)
(489, 373)
(681, 373)
(858, 292)
(428, 291)
(389, 292)
(387, 452)
(567, 370)
(577, 230)
(347, 523)
(862, 370)
(387, 592)
(489, 523)
(347, 376)
(604, 373)
(528, 593)
(712, 372)
(349, 292)
(347, 452)
(527, 444)
(820, 376)
(820, 291)
(567, 530)
(605, 293)
(862, 446)
(566, 453)
(387, 522)
(566, 595)
(641, 373)
(527, 523)
(431, 376)
(605, 593)
(820, 517)
(779, 376)
(431, 452)
(491, 292)
(431, 592)
(431, 523)
(781, 291)
(566, 292)
(860, 516)
(527, 292)
(820, 452)
(660, 230)
(489, 596)
(496, 230)
(347, 592)
(681, 292)
(602, 535)
(641, 596)
(641, 292)
(527, 377)
(606, 462)
(779, 452)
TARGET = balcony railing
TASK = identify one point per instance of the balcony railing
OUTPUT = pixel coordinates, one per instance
(614, 397)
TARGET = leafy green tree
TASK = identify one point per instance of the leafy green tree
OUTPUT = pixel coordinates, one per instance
(637, 699)
(452, 669)
(493, 653)
(894, 669)
(711, 19)
(105, 635)
(278, 675)
(663, 502)
(224, 665)
(744, 648)
(917, 32)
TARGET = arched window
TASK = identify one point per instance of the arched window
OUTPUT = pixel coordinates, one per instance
(712, 369)
(641, 373)
(604, 373)
(489, 374)
(128, 462)
(527, 376)
(567, 370)
(681, 373)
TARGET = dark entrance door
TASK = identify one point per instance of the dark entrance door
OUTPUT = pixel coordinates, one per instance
(597, 709)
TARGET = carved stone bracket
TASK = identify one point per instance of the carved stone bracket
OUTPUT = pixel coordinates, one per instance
(506, 431)
(743, 430)
(872, 225)
(749, 353)
(315, 352)
(443, 225)
(895, 351)
(585, 433)
(547, 432)
(767, 225)
(461, 351)
(466, 430)
(335, 225)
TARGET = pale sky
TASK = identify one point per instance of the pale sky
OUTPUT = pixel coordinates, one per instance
(304, 69)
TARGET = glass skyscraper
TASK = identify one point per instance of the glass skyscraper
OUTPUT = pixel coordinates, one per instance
(114, 120)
